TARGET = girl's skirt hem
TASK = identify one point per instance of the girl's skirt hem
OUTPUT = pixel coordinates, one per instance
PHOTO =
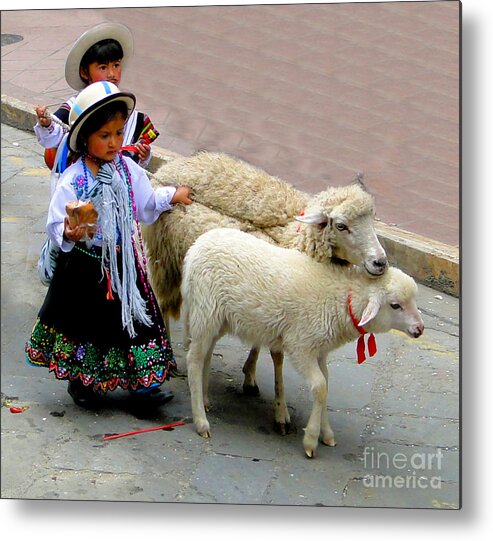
(79, 332)
(140, 366)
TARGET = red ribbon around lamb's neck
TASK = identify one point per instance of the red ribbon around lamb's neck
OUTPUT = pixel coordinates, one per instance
(360, 347)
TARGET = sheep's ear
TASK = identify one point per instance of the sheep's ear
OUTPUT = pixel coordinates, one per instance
(360, 181)
(314, 218)
(370, 311)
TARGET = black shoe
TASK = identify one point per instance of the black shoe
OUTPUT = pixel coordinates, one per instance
(145, 404)
(83, 396)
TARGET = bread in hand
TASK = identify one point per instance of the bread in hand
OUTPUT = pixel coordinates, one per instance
(82, 213)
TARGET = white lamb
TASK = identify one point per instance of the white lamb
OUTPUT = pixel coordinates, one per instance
(337, 223)
(284, 300)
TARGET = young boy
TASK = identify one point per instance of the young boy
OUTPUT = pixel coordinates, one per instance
(98, 55)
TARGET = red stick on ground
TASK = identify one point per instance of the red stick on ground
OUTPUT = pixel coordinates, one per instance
(163, 427)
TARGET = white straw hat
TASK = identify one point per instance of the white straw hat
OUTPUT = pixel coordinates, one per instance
(90, 100)
(116, 31)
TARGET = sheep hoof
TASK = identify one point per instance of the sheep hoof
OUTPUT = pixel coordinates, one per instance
(331, 442)
(310, 453)
(202, 428)
(251, 390)
(281, 428)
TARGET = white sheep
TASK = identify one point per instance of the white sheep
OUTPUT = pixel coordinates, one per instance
(284, 300)
(337, 223)
(235, 187)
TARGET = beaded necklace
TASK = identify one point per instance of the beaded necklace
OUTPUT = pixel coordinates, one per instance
(84, 185)
(91, 253)
(144, 275)
(123, 171)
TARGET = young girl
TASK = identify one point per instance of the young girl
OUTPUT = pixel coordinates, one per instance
(100, 326)
(98, 55)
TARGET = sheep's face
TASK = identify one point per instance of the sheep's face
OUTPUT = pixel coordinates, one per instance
(349, 238)
(356, 241)
(394, 307)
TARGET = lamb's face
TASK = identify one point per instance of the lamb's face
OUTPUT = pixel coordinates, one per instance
(402, 315)
(394, 307)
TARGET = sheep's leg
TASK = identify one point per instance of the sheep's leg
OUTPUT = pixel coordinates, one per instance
(173, 372)
(318, 384)
(281, 414)
(198, 358)
(167, 327)
(250, 386)
(326, 432)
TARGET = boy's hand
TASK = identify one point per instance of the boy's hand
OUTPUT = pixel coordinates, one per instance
(144, 150)
(43, 119)
(182, 195)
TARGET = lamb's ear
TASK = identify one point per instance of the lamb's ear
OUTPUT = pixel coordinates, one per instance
(370, 311)
(314, 218)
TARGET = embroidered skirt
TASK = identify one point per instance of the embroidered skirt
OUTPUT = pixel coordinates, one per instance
(79, 331)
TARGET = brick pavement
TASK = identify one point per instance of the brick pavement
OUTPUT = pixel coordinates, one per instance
(311, 93)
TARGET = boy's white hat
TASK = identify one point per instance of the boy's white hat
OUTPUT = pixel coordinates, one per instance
(90, 100)
(116, 31)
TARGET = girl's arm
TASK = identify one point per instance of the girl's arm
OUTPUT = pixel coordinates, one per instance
(57, 215)
(152, 202)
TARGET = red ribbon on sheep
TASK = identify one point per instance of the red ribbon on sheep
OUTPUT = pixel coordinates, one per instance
(360, 347)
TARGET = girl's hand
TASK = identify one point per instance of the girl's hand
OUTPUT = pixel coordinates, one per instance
(182, 195)
(43, 119)
(73, 234)
(144, 151)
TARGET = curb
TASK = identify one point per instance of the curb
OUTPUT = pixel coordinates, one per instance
(429, 262)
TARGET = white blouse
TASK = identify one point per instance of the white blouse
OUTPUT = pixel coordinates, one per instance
(149, 202)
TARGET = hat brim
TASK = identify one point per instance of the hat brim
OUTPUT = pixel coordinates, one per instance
(116, 31)
(126, 97)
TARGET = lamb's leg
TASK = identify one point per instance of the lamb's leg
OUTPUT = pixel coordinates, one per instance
(310, 369)
(197, 358)
(186, 331)
(281, 414)
(326, 432)
(186, 338)
(250, 386)
(206, 373)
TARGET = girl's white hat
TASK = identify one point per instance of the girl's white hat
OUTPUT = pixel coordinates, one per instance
(89, 101)
(116, 31)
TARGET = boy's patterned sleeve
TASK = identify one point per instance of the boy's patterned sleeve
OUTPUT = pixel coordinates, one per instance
(148, 130)
(148, 134)
(63, 112)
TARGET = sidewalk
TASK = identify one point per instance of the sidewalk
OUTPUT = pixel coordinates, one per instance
(403, 403)
(310, 93)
